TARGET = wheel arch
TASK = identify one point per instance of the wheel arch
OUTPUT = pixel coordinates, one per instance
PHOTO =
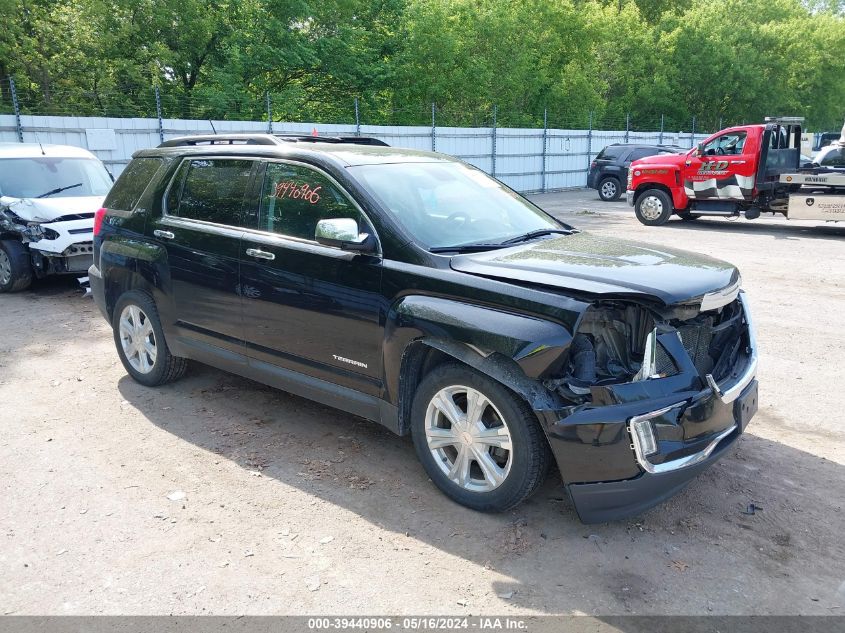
(679, 201)
(515, 350)
(132, 265)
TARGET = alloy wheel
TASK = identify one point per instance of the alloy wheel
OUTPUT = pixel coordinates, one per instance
(5, 268)
(469, 438)
(138, 339)
(608, 189)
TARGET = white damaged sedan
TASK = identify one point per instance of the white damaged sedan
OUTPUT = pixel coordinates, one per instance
(48, 197)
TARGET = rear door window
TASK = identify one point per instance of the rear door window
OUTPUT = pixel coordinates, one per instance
(211, 190)
(130, 185)
(642, 152)
(611, 152)
(295, 198)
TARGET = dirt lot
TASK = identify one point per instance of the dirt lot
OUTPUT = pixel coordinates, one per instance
(292, 508)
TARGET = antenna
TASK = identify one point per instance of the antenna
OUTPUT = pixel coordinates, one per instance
(37, 140)
(212, 126)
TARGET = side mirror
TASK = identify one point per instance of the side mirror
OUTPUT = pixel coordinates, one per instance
(343, 233)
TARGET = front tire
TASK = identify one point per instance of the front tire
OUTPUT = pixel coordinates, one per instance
(609, 189)
(140, 341)
(15, 269)
(479, 443)
(653, 207)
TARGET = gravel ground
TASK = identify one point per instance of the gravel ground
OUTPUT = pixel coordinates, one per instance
(219, 495)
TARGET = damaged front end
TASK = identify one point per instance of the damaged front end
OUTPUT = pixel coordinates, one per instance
(656, 393)
(57, 245)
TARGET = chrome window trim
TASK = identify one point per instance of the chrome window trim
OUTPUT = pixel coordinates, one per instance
(287, 241)
(213, 228)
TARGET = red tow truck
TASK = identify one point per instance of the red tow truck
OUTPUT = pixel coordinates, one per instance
(742, 170)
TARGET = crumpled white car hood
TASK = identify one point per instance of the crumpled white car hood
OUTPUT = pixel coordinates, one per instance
(48, 209)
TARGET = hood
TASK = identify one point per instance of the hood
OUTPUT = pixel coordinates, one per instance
(604, 266)
(664, 160)
(49, 209)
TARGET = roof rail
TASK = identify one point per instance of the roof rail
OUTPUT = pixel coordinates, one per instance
(308, 138)
(221, 139)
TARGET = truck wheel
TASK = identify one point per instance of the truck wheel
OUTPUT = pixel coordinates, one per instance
(609, 189)
(653, 207)
(479, 443)
(140, 341)
(686, 216)
(15, 270)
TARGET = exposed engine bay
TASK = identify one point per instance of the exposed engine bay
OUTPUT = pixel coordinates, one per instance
(618, 343)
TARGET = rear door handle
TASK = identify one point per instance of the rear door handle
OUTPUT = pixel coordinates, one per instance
(167, 235)
(259, 254)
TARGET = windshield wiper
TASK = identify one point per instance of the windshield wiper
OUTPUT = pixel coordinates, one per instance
(59, 190)
(538, 233)
(465, 248)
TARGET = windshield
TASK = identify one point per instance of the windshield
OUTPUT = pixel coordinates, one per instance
(33, 177)
(451, 204)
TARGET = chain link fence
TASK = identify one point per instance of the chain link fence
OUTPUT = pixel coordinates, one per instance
(531, 152)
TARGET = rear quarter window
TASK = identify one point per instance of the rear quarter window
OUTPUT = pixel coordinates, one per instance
(130, 185)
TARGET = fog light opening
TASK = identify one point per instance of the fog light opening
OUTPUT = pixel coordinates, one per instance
(644, 433)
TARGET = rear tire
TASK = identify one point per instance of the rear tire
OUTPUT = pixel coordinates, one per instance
(609, 189)
(15, 269)
(653, 207)
(480, 443)
(140, 341)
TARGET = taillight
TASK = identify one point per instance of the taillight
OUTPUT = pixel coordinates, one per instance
(99, 216)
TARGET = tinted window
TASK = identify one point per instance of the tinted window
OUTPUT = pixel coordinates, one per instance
(832, 156)
(58, 177)
(295, 198)
(131, 183)
(611, 152)
(213, 190)
(642, 152)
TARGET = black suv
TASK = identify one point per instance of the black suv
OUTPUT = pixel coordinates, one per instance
(609, 171)
(412, 289)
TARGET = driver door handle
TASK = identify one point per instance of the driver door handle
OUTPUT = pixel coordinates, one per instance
(259, 254)
(166, 235)
(737, 162)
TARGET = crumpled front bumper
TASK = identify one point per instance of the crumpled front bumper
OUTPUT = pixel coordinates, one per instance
(609, 470)
(598, 502)
(69, 233)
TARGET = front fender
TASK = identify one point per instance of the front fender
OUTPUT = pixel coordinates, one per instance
(518, 350)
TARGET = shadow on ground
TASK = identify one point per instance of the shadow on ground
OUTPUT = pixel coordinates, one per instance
(708, 532)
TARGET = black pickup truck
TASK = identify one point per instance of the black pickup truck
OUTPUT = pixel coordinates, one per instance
(412, 289)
